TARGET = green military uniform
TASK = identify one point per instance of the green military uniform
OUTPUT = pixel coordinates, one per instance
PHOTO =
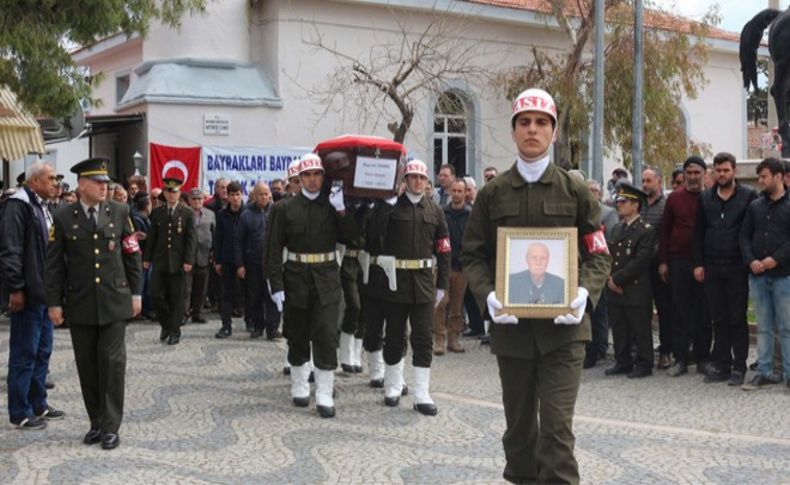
(352, 326)
(630, 313)
(93, 271)
(311, 283)
(539, 361)
(172, 242)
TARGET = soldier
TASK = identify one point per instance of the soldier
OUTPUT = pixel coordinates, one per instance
(539, 359)
(352, 330)
(309, 226)
(171, 247)
(628, 289)
(294, 183)
(414, 232)
(94, 274)
(197, 279)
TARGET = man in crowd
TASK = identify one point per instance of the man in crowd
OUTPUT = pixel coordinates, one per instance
(471, 190)
(765, 246)
(628, 287)
(415, 231)
(260, 311)
(197, 279)
(307, 284)
(690, 322)
(445, 180)
(225, 254)
(719, 266)
(141, 221)
(217, 203)
(94, 280)
(618, 174)
(539, 360)
(597, 347)
(25, 225)
(170, 249)
(489, 173)
(678, 178)
(652, 212)
(277, 189)
(448, 320)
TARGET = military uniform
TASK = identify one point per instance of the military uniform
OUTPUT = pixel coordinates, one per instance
(171, 243)
(539, 360)
(352, 327)
(93, 271)
(630, 313)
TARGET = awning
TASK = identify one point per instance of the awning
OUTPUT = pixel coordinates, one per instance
(20, 134)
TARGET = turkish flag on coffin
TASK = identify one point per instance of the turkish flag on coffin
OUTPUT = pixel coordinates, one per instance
(177, 162)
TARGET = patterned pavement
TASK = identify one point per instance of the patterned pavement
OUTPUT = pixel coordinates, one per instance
(212, 411)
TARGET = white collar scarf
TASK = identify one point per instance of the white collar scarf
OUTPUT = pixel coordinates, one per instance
(414, 198)
(310, 195)
(532, 171)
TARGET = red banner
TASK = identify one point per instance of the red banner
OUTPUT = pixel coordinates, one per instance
(178, 162)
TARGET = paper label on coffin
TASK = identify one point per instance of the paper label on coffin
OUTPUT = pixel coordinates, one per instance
(374, 173)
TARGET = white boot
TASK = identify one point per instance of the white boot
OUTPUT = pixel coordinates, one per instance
(422, 400)
(357, 356)
(376, 366)
(300, 388)
(324, 388)
(347, 352)
(393, 383)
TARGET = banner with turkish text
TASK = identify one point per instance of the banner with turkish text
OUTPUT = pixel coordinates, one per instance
(247, 165)
(177, 162)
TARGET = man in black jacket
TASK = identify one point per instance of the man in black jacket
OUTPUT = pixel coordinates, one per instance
(225, 262)
(718, 265)
(25, 225)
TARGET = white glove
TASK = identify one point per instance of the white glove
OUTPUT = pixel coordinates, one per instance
(279, 298)
(336, 199)
(493, 306)
(392, 200)
(579, 304)
(439, 297)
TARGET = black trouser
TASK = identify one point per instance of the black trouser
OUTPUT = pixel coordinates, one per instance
(259, 309)
(597, 347)
(420, 317)
(475, 318)
(541, 450)
(315, 324)
(168, 293)
(373, 315)
(690, 322)
(229, 297)
(353, 321)
(727, 291)
(196, 288)
(663, 301)
(214, 286)
(100, 354)
(631, 325)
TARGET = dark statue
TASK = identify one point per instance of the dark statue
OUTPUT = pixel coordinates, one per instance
(779, 48)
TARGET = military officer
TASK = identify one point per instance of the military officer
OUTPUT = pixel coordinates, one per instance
(539, 360)
(352, 329)
(94, 279)
(628, 289)
(415, 231)
(171, 248)
(306, 283)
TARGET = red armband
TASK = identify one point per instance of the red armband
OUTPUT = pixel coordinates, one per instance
(595, 242)
(443, 245)
(130, 245)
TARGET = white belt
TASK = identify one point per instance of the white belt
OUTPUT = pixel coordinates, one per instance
(413, 263)
(311, 258)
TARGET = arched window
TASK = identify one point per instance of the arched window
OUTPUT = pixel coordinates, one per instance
(450, 133)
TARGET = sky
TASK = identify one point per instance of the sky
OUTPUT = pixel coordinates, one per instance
(734, 13)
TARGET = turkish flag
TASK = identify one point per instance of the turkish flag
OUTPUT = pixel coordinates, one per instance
(178, 162)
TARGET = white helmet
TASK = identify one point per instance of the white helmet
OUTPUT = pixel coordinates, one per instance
(417, 167)
(310, 161)
(293, 168)
(534, 100)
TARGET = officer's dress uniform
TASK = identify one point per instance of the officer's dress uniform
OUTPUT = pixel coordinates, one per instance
(630, 314)
(415, 234)
(93, 270)
(352, 328)
(539, 361)
(171, 243)
(308, 273)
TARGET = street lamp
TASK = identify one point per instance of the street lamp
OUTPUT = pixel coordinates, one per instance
(137, 158)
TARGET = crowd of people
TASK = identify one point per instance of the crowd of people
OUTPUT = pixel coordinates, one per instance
(415, 270)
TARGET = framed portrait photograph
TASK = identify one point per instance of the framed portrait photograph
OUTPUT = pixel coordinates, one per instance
(537, 270)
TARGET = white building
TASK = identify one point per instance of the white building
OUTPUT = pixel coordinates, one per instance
(249, 65)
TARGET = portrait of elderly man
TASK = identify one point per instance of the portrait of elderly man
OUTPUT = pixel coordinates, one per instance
(534, 285)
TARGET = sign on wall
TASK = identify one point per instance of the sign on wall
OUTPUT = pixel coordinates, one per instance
(216, 124)
(247, 165)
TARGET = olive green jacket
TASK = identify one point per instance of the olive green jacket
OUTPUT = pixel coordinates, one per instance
(89, 273)
(555, 200)
(632, 249)
(172, 241)
(306, 226)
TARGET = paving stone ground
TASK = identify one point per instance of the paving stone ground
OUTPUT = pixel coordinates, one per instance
(219, 411)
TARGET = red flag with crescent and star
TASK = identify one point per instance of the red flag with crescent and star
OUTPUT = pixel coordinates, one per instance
(177, 162)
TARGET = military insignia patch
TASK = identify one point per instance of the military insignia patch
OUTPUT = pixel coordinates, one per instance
(595, 242)
(443, 245)
(52, 233)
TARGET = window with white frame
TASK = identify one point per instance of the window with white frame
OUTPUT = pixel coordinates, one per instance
(450, 133)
